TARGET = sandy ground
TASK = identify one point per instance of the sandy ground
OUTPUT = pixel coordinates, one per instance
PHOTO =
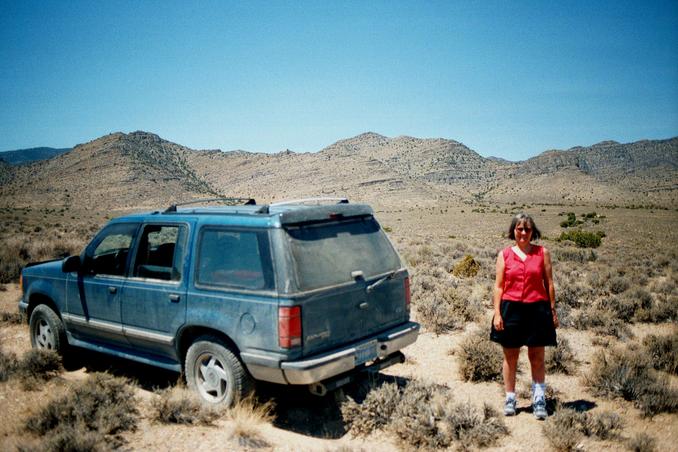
(314, 424)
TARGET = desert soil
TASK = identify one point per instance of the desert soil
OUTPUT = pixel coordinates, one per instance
(314, 424)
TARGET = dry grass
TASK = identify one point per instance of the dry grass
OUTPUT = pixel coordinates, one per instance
(180, 406)
(247, 416)
(642, 442)
(21, 249)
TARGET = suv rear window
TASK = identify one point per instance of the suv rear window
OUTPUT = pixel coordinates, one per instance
(327, 253)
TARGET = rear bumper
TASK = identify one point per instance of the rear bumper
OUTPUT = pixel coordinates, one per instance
(327, 365)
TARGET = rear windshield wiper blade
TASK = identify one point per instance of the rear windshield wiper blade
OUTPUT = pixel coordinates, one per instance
(380, 281)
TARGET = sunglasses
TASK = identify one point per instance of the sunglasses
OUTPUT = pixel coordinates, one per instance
(521, 229)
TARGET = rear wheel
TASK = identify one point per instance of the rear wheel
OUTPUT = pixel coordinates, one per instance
(216, 373)
(47, 330)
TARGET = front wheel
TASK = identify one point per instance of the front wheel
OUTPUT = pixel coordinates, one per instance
(47, 330)
(216, 373)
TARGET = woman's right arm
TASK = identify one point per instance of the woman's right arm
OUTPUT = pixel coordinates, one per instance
(498, 292)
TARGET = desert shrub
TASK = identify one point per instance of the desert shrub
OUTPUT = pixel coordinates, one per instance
(8, 365)
(12, 318)
(37, 366)
(618, 284)
(629, 374)
(427, 417)
(423, 415)
(180, 406)
(570, 255)
(624, 308)
(479, 358)
(569, 295)
(73, 438)
(22, 249)
(583, 239)
(604, 425)
(103, 405)
(601, 322)
(663, 352)
(446, 309)
(561, 359)
(571, 221)
(642, 442)
(564, 429)
(375, 411)
(466, 268)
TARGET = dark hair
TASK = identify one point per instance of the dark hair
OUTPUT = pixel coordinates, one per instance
(520, 218)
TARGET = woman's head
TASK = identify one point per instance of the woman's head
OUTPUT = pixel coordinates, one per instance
(523, 226)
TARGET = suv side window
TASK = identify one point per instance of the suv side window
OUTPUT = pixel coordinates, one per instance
(160, 252)
(111, 248)
(231, 258)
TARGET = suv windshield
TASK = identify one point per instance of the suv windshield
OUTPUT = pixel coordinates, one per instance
(327, 253)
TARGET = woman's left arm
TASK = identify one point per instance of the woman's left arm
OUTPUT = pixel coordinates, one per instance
(548, 270)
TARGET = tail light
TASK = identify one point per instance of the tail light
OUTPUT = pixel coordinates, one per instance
(289, 326)
(408, 295)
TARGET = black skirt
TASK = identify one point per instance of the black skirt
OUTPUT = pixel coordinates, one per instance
(528, 324)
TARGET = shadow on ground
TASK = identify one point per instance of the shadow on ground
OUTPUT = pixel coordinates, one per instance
(145, 376)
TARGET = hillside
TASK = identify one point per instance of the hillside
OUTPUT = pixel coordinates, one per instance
(117, 170)
(21, 156)
(141, 169)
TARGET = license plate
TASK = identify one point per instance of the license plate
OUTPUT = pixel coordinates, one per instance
(366, 352)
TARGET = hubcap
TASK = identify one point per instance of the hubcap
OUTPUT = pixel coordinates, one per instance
(211, 378)
(44, 337)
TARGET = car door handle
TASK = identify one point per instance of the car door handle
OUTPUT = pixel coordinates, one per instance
(112, 289)
(174, 298)
(363, 305)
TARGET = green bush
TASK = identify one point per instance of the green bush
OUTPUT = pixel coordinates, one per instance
(583, 239)
(466, 268)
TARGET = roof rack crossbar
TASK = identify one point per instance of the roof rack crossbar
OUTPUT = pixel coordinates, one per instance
(244, 201)
(311, 200)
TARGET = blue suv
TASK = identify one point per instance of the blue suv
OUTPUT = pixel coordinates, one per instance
(297, 293)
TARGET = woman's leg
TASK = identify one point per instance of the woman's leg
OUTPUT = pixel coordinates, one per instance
(536, 356)
(509, 369)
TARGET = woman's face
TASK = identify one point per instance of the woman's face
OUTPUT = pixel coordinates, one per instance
(523, 233)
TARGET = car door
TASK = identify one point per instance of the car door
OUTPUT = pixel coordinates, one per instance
(93, 300)
(153, 300)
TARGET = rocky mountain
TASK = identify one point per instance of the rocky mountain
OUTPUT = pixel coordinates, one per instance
(21, 156)
(141, 169)
(122, 170)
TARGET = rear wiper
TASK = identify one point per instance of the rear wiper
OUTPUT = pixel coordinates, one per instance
(380, 281)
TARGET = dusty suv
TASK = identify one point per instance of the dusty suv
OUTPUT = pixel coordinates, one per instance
(291, 293)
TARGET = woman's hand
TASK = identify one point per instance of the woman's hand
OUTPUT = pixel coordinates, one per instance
(556, 323)
(498, 322)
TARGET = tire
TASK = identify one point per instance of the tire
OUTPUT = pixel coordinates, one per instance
(216, 373)
(47, 330)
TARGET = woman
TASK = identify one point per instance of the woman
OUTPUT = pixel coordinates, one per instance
(524, 310)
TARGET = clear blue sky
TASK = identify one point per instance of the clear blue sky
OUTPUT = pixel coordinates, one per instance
(509, 79)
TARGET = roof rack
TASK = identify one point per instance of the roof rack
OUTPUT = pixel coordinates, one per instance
(227, 201)
(311, 200)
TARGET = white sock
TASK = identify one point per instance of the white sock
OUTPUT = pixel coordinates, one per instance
(538, 391)
(510, 396)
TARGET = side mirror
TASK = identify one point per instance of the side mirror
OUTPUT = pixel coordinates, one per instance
(71, 264)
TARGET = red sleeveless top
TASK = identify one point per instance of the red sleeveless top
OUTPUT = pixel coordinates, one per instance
(525, 281)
